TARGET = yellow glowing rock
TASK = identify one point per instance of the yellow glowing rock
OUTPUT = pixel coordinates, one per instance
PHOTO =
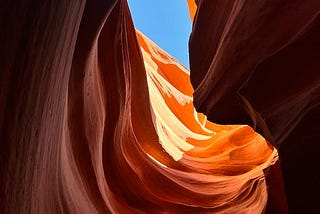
(192, 8)
(221, 160)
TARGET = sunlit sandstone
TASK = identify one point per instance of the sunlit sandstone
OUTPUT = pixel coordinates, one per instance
(219, 161)
(95, 118)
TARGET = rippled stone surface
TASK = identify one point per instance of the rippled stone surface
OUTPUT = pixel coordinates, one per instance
(95, 118)
(256, 62)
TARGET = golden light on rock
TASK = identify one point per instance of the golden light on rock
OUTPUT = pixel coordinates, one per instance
(96, 118)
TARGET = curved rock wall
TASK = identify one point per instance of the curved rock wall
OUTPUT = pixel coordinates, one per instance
(95, 118)
(257, 63)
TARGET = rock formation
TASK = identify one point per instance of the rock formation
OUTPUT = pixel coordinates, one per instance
(257, 63)
(95, 118)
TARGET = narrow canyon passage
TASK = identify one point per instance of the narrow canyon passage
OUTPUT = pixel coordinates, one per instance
(96, 118)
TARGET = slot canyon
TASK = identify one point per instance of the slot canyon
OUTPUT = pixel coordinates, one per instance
(97, 118)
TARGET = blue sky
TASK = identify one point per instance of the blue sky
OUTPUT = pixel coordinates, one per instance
(166, 22)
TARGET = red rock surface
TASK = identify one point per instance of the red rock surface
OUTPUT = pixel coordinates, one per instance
(257, 62)
(258, 58)
(95, 118)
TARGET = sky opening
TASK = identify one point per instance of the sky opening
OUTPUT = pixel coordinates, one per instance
(165, 22)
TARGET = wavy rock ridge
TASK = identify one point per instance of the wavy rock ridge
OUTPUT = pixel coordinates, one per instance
(95, 118)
